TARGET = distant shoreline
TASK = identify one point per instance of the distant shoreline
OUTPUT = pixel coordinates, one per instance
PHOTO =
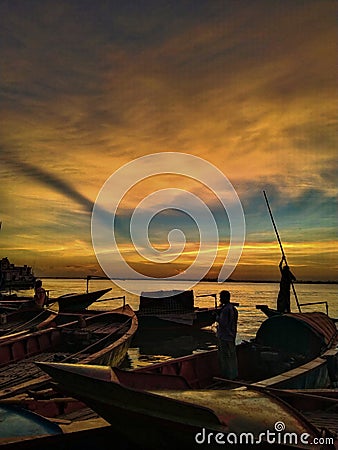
(204, 280)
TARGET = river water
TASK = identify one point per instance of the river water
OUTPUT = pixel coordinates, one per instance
(151, 347)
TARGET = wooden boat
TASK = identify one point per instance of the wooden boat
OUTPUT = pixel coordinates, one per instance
(17, 424)
(74, 302)
(269, 312)
(181, 418)
(83, 428)
(199, 373)
(309, 362)
(318, 406)
(101, 338)
(47, 403)
(78, 302)
(196, 374)
(294, 351)
(172, 309)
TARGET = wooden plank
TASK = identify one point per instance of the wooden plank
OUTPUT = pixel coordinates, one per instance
(38, 382)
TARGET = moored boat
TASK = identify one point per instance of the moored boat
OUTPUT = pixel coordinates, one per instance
(99, 338)
(173, 309)
(17, 424)
(199, 373)
(77, 302)
(294, 351)
(182, 418)
(74, 302)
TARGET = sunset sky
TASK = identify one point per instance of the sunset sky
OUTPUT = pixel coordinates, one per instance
(249, 86)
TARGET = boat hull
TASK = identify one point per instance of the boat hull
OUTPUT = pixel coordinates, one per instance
(181, 419)
(290, 351)
(78, 302)
(17, 423)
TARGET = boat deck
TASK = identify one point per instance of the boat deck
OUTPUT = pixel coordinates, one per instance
(25, 320)
(20, 372)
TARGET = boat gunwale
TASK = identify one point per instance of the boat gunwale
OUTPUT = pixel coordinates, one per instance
(21, 338)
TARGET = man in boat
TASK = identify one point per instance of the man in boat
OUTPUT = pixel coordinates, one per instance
(226, 335)
(40, 296)
(283, 299)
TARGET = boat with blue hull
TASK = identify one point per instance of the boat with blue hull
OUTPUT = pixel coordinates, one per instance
(17, 424)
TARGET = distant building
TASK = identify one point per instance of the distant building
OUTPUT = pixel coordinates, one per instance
(15, 277)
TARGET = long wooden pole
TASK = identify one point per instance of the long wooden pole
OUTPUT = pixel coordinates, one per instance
(281, 246)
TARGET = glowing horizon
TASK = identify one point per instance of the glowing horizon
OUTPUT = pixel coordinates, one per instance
(251, 90)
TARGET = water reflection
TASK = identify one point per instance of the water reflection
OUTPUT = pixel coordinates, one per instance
(150, 347)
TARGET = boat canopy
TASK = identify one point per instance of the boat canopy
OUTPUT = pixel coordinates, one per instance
(167, 301)
(301, 333)
(320, 322)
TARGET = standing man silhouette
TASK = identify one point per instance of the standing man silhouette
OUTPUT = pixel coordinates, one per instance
(283, 299)
(226, 335)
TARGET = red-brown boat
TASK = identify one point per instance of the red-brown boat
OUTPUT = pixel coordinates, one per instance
(195, 380)
(98, 338)
(74, 302)
(290, 351)
(181, 417)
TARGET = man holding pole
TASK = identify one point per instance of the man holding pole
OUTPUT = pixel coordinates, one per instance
(283, 299)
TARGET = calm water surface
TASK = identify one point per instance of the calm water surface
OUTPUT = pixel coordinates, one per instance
(158, 346)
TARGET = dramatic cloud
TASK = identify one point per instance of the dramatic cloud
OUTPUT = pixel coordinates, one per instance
(88, 86)
(50, 180)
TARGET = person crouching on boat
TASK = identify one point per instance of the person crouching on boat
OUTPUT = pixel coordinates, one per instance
(226, 336)
(283, 299)
(40, 296)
